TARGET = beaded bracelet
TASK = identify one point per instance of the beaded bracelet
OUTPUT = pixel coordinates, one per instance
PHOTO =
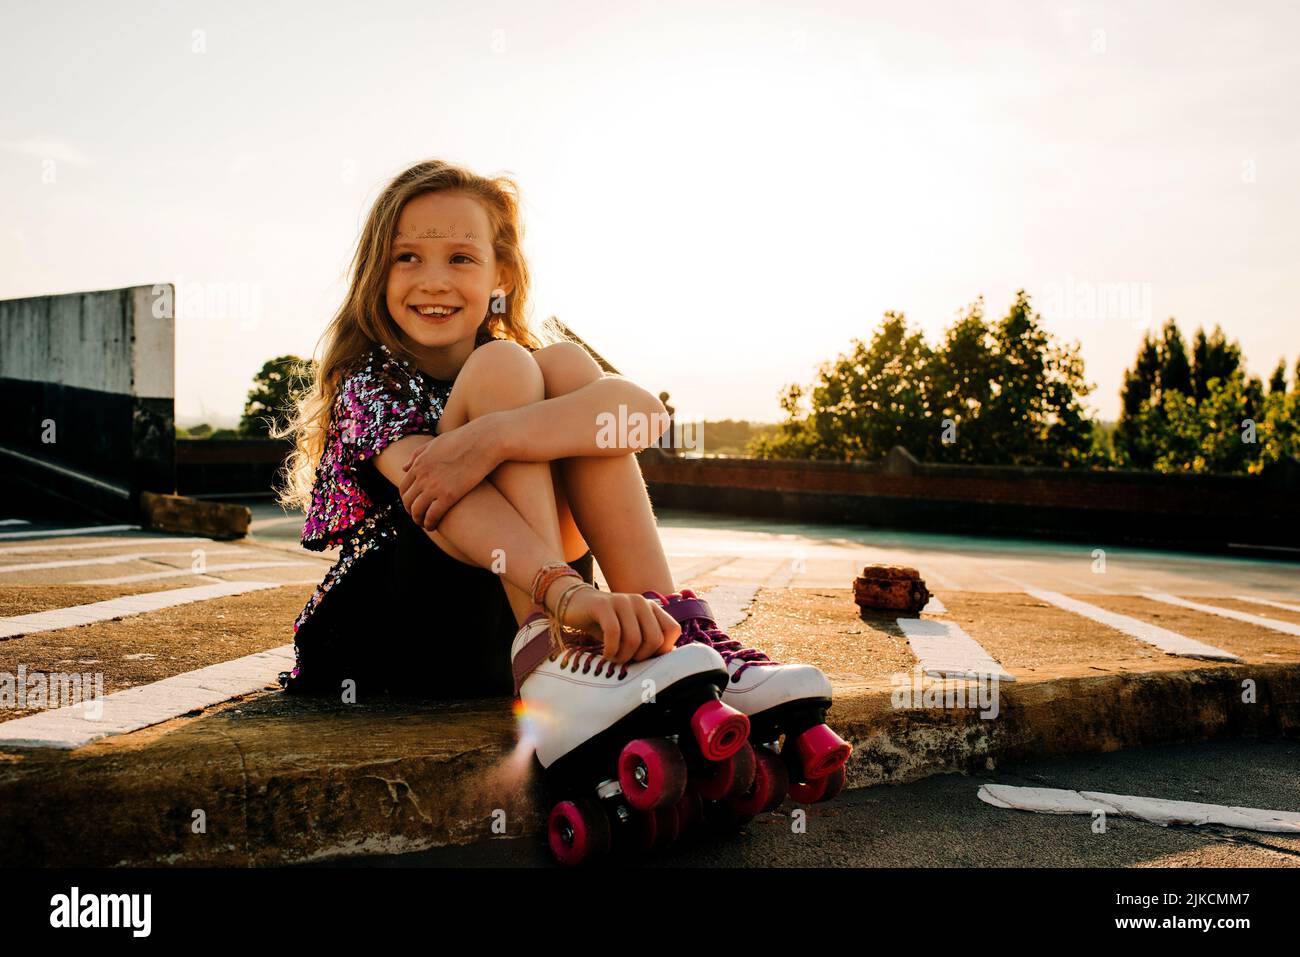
(557, 620)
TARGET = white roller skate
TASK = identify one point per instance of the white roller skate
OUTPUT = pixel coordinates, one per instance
(618, 743)
(779, 699)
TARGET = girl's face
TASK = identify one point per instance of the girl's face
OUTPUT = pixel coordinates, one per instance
(442, 255)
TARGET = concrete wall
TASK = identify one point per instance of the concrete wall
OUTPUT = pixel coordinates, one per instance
(233, 467)
(87, 381)
(1192, 511)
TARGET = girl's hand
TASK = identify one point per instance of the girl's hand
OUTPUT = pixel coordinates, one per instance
(444, 470)
(634, 628)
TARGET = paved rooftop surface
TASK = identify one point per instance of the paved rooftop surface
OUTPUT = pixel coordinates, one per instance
(1030, 649)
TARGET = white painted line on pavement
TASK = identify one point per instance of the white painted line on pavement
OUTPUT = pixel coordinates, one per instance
(1265, 601)
(122, 607)
(183, 572)
(272, 522)
(1155, 810)
(56, 532)
(107, 543)
(1170, 642)
(109, 560)
(158, 701)
(730, 603)
(783, 575)
(1286, 627)
(946, 651)
(14, 521)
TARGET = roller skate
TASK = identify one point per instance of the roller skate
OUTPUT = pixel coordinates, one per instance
(617, 744)
(782, 701)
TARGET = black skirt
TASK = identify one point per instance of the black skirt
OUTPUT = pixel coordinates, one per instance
(408, 618)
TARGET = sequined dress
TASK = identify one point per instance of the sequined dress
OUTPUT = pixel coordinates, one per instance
(378, 609)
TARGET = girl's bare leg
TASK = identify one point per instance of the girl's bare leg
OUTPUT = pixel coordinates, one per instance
(511, 516)
(603, 499)
(610, 506)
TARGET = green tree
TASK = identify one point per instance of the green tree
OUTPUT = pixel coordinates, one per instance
(875, 397)
(275, 389)
(1175, 368)
(1280, 434)
(965, 389)
(1213, 357)
(1225, 432)
(1277, 381)
(1162, 370)
(1000, 394)
(1132, 437)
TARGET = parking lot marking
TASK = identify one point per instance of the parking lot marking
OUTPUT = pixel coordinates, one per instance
(57, 532)
(1167, 641)
(109, 560)
(946, 651)
(1286, 627)
(107, 543)
(1265, 601)
(182, 572)
(139, 707)
(1160, 811)
(122, 607)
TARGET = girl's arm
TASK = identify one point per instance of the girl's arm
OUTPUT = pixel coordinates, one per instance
(586, 414)
(611, 416)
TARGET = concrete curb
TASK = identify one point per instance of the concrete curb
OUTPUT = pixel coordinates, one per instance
(276, 779)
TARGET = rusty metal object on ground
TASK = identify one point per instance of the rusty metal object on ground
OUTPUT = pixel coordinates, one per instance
(188, 516)
(890, 588)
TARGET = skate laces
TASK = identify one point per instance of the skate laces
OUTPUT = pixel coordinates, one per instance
(706, 631)
(586, 656)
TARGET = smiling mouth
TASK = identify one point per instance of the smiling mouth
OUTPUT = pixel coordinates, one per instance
(430, 317)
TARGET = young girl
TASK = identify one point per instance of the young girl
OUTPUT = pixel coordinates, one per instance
(431, 603)
(458, 465)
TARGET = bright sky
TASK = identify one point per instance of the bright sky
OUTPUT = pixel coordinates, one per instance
(718, 196)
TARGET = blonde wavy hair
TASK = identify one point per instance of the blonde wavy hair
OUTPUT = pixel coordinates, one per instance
(363, 319)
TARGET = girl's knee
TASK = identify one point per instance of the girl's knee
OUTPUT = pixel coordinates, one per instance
(503, 364)
(497, 375)
(566, 367)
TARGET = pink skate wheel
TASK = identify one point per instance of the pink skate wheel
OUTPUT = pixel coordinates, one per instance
(834, 784)
(690, 811)
(771, 781)
(652, 773)
(721, 818)
(668, 826)
(808, 792)
(719, 729)
(730, 777)
(577, 831)
(821, 751)
(640, 833)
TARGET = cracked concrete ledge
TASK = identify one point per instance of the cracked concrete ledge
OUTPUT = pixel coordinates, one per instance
(273, 779)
